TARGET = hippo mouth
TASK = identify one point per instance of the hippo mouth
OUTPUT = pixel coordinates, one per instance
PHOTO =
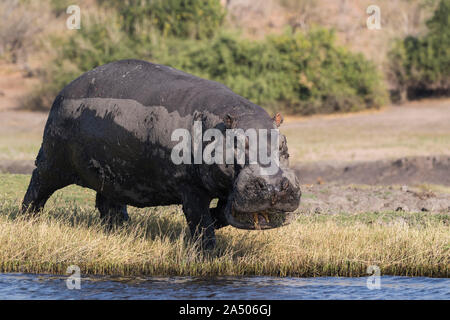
(261, 202)
(261, 220)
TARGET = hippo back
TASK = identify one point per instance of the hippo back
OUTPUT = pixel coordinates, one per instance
(158, 85)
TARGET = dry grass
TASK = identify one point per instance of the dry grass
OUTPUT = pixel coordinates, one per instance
(20, 23)
(156, 242)
(19, 147)
(20, 135)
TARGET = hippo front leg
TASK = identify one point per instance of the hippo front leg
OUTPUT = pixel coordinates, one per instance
(218, 214)
(196, 210)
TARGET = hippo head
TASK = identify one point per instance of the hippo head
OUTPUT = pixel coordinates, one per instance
(261, 198)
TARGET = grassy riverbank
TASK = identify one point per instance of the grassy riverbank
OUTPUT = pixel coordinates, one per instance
(156, 242)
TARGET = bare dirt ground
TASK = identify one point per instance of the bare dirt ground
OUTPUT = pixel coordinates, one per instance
(14, 85)
(333, 198)
(405, 170)
(397, 158)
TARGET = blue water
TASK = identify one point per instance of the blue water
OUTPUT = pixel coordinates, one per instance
(26, 286)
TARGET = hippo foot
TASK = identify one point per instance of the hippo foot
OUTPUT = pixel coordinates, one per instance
(112, 215)
(113, 224)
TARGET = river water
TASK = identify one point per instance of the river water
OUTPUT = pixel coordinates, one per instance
(28, 286)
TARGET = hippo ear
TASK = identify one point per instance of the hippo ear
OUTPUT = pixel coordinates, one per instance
(229, 121)
(278, 119)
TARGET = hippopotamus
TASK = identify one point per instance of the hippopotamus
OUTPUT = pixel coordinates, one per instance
(110, 130)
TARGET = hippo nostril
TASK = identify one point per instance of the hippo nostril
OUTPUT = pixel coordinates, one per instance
(284, 184)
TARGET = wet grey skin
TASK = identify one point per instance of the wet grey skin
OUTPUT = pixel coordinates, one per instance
(110, 130)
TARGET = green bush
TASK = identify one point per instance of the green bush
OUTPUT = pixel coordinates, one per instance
(421, 65)
(180, 18)
(295, 72)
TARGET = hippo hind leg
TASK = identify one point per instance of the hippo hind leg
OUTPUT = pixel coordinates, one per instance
(45, 180)
(112, 214)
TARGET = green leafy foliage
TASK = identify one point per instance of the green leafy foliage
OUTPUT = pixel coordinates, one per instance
(300, 73)
(421, 65)
(180, 18)
(295, 72)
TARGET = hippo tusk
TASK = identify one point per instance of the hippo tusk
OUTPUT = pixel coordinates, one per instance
(256, 220)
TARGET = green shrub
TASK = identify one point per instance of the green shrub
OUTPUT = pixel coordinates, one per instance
(299, 73)
(421, 65)
(180, 18)
(295, 72)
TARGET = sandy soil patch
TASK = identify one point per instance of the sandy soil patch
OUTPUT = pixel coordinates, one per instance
(406, 170)
(14, 86)
(335, 198)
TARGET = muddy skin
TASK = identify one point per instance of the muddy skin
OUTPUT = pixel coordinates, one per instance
(110, 130)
